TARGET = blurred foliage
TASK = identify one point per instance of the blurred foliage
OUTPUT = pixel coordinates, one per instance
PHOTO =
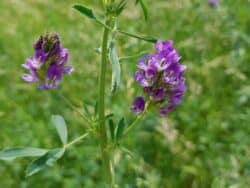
(203, 143)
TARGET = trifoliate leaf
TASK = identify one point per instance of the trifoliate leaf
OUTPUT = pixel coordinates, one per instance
(144, 8)
(13, 153)
(120, 129)
(47, 160)
(61, 128)
(121, 7)
(116, 68)
(112, 129)
(85, 11)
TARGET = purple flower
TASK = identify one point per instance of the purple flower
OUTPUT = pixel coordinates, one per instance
(138, 105)
(48, 63)
(63, 56)
(36, 61)
(161, 77)
(157, 94)
(145, 78)
(213, 3)
(173, 73)
(163, 46)
(38, 44)
(142, 64)
(31, 77)
(164, 110)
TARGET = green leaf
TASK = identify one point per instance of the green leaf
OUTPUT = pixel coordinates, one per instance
(109, 116)
(84, 10)
(61, 128)
(116, 68)
(13, 153)
(145, 38)
(121, 7)
(120, 129)
(44, 161)
(144, 8)
(86, 110)
(112, 129)
(96, 108)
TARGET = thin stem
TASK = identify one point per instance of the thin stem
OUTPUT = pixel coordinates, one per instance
(145, 38)
(67, 101)
(132, 56)
(104, 25)
(76, 140)
(137, 119)
(101, 104)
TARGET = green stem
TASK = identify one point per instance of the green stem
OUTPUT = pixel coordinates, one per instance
(132, 56)
(138, 118)
(67, 101)
(145, 38)
(76, 140)
(101, 107)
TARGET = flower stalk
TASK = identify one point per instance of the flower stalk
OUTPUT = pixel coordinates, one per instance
(138, 118)
(101, 107)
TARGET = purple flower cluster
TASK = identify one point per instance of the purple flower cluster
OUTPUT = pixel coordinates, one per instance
(161, 77)
(48, 63)
(212, 3)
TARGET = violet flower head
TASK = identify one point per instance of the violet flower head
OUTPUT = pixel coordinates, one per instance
(213, 3)
(48, 64)
(161, 77)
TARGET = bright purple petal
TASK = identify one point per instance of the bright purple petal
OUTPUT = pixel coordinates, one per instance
(161, 46)
(138, 105)
(54, 73)
(28, 78)
(38, 44)
(68, 69)
(38, 59)
(173, 73)
(164, 110)
(141, 79)
(28, 63)
(63, 56)
(141, 64)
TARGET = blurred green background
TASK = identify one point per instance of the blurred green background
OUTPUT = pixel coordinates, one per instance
(204, 142)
